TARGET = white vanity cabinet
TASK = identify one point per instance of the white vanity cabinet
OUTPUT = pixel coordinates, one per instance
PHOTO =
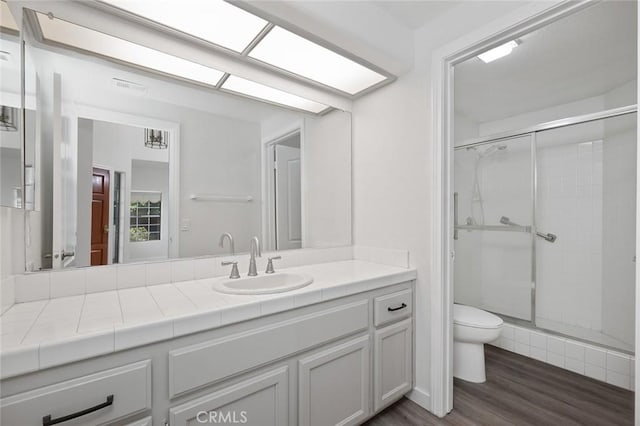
(337, 362)
(333, 385)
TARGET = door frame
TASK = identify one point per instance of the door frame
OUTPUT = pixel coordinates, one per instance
(93, 113)
(524, 20)
(268, 198)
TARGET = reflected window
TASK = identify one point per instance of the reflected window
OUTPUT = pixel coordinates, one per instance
(145, 216)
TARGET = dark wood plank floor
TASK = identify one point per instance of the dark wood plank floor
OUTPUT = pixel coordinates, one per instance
(522, 391)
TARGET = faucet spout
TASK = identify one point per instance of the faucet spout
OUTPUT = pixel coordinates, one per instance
(228, 236)
(255, 251)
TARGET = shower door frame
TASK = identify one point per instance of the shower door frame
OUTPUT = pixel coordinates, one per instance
(532, 132)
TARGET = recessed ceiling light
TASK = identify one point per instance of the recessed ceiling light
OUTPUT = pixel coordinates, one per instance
(298, 55)
(6, 18)
(73, 35)
(215, 21)
(498, 52)
(269, 94)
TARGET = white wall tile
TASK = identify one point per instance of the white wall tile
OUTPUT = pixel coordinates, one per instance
(574, 350)
(7, 293)
(555, 345)
(204, 268)
(596, 357)
(539, 354)
(33, 286)
(68, 283)
(574, 365)
(539, 340)
(522, 336)
(522, 349)
(182, 270)
(508, 332)
(134, 275)
(158, 273)
(101, 278)
(555, 359)
(617, 379)
(595, 372)
(618, 363)
(508, 344)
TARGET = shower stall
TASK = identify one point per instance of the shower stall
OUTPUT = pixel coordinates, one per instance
(544, 226)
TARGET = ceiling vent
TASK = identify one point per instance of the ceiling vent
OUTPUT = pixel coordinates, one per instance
(129, 85)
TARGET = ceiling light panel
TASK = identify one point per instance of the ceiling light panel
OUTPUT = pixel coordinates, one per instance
(498, 52)
(298, 55)
(6, 18)
(212, 20)
(269, 94)
(83, 38)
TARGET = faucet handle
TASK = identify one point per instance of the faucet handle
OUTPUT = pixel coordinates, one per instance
(234, 270)
(270, 264)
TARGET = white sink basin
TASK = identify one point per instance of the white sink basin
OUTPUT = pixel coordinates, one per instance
(263, 284)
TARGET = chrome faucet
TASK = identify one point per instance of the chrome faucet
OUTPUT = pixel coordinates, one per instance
(227, 235)
(255, 251)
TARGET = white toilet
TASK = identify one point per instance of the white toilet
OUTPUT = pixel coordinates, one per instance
(472, 328)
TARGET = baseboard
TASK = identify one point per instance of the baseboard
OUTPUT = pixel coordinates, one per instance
(420, 397)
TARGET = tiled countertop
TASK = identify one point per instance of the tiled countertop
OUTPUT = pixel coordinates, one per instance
(43, 334)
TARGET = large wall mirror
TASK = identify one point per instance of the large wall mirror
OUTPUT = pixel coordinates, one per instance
(130, 164)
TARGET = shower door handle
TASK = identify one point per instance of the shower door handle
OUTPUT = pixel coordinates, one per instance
(547, 236)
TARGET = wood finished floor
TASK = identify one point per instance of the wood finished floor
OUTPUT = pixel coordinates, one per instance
(522, 391)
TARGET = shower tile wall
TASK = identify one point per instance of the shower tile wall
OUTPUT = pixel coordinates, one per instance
(569, 204)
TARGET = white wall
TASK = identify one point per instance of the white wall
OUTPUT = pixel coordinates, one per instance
(392, 137)
(326, 180)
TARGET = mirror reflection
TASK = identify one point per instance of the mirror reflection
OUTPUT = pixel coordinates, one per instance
(10, 103)
(133, 165)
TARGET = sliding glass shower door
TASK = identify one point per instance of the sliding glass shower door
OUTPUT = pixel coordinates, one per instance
(586, 195)
(545, 228)
(493, 215)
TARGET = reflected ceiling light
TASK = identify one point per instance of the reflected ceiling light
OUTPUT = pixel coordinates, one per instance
(498, 52)
(215, 21)
(6, 18)
(73, 35)
(269, 94)
(298, 55)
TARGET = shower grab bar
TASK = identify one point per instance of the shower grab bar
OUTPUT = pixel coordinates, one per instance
(548, 236)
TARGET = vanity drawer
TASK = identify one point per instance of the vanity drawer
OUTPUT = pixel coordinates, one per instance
(206, 363)
(392, 307)
(95, 399)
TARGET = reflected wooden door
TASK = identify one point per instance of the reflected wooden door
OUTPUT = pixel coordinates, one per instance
(100, 218)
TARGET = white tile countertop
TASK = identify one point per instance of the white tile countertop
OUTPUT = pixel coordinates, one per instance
(45, 333)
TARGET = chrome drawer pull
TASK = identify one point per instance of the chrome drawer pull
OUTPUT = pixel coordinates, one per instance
(47, 420)
(404, 305)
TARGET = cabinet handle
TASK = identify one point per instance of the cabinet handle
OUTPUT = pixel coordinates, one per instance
(47, 420)
(404, 305)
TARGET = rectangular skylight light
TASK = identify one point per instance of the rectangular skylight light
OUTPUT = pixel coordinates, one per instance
(298, 55)
(83, 38)
(215, 21)
(498, 52)
(269, 94)
(6, 18)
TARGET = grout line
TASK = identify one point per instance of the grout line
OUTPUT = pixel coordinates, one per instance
(84, 301)
(34, 323)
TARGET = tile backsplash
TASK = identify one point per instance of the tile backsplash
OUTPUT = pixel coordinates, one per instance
(613, 367)
(52, 284)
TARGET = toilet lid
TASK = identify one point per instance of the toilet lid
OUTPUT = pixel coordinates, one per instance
(474, 317)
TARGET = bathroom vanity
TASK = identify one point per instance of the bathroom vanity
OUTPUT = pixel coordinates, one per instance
(334, 352)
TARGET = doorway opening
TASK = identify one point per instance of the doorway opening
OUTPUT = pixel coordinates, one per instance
(285, 192)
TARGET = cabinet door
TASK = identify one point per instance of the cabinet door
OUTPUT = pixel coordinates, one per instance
(334, 385)
(260, 401)
(393, 363)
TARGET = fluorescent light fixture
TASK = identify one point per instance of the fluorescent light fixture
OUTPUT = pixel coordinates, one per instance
(498, 52)
(215, 21)
(298, 55)
(6, 18)
(269, 94)
(73, 35)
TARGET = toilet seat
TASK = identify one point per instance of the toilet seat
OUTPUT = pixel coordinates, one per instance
(469, 316)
